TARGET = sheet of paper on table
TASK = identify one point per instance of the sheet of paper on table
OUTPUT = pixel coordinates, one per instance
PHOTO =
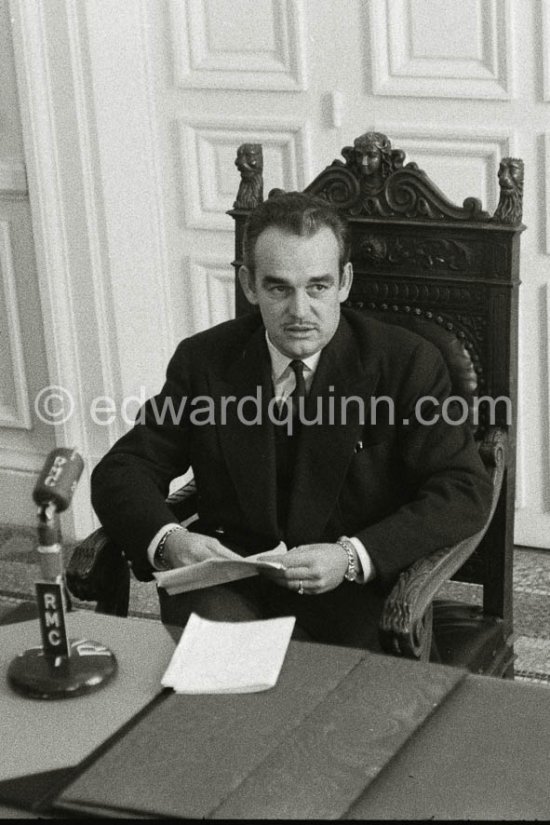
(229, 657)
(218, 571)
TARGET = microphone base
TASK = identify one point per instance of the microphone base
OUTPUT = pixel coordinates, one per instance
(38, 676)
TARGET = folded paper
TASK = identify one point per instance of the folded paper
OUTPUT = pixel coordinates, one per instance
(229, 657)
(219, 570)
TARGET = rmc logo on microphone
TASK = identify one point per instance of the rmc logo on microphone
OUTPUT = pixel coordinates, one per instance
(52, 618)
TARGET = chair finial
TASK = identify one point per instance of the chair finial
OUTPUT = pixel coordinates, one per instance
(510, 178)
(250, 164)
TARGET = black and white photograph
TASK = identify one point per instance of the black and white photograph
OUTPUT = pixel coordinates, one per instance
(275, 409)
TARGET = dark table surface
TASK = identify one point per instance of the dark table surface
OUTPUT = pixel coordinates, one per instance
(483, 753)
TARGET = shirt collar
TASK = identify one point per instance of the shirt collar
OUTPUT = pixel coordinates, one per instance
(280, 362)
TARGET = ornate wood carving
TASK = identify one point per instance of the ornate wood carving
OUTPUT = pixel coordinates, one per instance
(250, 163)
(471, 257)
(469, 328)
(510, 205)
(427, 254)
(434, 297)
(374, 183)
(406, 622)
(338, 185)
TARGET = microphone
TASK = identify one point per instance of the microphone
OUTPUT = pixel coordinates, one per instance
(58, 479)
(60, 668)
(53, 493)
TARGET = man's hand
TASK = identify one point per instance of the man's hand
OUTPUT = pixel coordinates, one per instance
(184, 548)
(319, 568)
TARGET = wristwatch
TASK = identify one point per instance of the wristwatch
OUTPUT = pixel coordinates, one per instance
(159, 559)
(347, 545)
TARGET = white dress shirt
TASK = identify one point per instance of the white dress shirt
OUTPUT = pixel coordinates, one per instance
(284, 382)
(284, 377)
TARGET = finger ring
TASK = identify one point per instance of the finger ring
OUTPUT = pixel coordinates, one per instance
(301, 588)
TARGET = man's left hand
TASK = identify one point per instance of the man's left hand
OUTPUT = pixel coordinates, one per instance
(318, 567)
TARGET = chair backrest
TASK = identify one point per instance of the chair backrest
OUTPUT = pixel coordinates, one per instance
(448, 272)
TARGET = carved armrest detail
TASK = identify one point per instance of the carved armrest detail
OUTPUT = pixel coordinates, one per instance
(405, 625)
(95, 566)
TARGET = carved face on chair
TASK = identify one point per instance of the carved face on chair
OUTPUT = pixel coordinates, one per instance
(373, 154)
(510, 174)
(249, 160)
(510, 178)
(250, 164)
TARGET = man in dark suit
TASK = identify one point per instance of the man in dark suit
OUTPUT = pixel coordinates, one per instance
(304, 423)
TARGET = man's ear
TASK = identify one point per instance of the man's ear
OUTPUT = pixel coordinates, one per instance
(345, 282)
(248, 284)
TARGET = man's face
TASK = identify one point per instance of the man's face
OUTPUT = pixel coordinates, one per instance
(298, 289)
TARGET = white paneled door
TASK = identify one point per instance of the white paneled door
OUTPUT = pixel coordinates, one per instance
(25, 439)
(171, 88)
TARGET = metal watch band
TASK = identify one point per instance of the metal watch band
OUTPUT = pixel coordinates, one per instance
(159, 558)
(347, 545)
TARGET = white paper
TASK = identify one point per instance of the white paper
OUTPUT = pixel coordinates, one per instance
(229, 657)
(218, 571)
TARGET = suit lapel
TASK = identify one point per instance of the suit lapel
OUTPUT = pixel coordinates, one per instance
(250, 449)
(327, 448)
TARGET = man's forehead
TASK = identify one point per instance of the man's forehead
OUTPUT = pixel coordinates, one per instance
(295, 278)
(277, 243)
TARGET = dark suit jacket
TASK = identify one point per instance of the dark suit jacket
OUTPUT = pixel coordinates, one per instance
(404, 489)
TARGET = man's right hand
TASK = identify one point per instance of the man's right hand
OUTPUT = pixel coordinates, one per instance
(183, 548)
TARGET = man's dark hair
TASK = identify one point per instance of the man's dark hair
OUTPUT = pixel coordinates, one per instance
(298, 214)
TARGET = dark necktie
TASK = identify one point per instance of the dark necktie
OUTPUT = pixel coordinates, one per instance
(287, 440)
(299, 390)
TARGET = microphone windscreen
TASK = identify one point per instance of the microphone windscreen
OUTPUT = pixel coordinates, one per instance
(58, 478)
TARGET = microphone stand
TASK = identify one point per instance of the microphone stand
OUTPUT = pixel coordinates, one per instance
(49, 547)
(60, 667)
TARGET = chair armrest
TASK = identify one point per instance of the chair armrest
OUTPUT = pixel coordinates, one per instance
(405, 625)
(98, 571)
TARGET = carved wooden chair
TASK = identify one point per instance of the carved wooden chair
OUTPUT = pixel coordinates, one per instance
(449, 273)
